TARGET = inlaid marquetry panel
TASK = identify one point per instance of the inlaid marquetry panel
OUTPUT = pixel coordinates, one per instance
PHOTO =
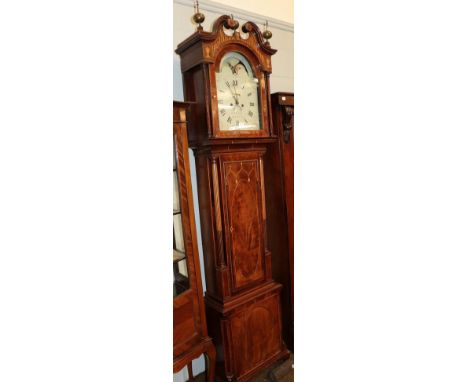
(244, 220)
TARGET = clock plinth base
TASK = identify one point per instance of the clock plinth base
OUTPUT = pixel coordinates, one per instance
(246, 330)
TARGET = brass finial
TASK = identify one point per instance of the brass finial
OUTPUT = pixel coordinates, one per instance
(266, 33)
(198, 17)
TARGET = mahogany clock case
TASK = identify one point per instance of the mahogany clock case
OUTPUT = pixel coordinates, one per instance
(243, 301)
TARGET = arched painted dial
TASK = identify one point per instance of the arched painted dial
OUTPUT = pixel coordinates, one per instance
(237, 91)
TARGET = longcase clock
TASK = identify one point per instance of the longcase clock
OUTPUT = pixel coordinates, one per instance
(226, 76)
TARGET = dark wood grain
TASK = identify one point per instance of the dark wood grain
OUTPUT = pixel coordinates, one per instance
(243, 216)
(279, 174)
(246, 331)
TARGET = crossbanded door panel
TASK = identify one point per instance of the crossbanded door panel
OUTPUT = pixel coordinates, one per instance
(255, 334)
(243, 215)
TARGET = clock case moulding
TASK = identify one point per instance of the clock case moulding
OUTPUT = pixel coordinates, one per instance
(242, 300)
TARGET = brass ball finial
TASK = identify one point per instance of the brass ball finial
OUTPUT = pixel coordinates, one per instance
(266, 33)
(198, 17)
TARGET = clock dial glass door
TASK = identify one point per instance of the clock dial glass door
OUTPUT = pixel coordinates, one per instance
(237, 92)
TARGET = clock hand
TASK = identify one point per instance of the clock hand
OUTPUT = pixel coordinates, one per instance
(233, 69)
(235, 90)
(232, 93)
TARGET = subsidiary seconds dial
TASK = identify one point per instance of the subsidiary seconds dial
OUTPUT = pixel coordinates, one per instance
(237, 91)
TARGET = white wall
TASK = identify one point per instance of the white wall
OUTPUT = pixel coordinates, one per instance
(282, 77)
(276, 9)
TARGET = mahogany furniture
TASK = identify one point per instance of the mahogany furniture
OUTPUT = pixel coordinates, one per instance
(190, 338)
(226, 75)
(279, 175)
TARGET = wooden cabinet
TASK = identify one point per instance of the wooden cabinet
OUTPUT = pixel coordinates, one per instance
(190, 337)
(279, 175)
(226, 76)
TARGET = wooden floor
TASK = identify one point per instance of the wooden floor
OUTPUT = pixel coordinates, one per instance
(279, 372)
